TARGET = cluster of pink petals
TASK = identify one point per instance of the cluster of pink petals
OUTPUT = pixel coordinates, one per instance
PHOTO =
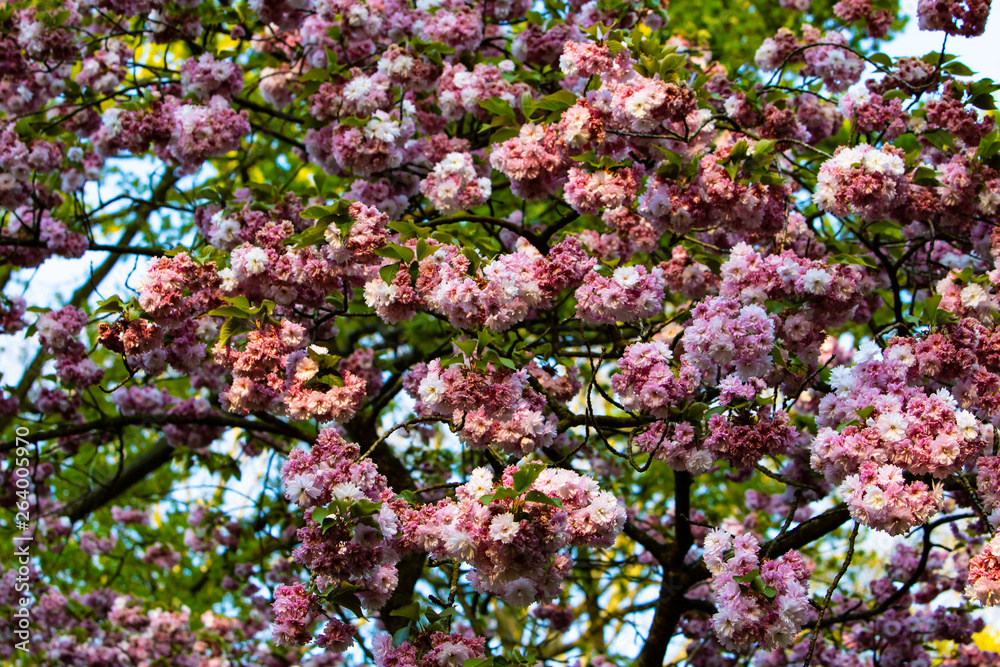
(517, 546)
(879, 497)
(631, 293)
(955, 17)
(863, 180)
(747, 616)
(499, 295)
(346, 549)
(646, 381)
(725, 335)
(984, 575)
(437, 650)
(493, 407)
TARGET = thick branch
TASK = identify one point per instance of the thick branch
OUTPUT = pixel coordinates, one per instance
(144, 464)
(113, 249)
(115, 424)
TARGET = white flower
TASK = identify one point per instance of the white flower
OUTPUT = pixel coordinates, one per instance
(817, 281)
(903, 354)
(874, 499)
(358, 88)
(347, 491)
(480, 483)
(388, 522)
(520, 592)
(302, 489)
(504, 528)
(626, 276)
(604, 509)
(974, 296)
(432, 389)
(228, 277)
(869, 351)
(945, 397)
(458, 543)
(968, 427)
(383, 127)
(891, 426)
(378, 294)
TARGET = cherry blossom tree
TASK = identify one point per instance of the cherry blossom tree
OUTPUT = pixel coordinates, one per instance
(474, 333)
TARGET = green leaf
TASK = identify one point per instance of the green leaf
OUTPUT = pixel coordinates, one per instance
(410, 611)
(958, 69)
(400, 635)
(539, 497)
(364, 507)
(925, 176)
(988, 146)
(764, 146)
(858, 260)
(503, 493)
(228, 311)
(467, 346)
(110, 305)
(497, 107)
(881, 59)
(503, 134)
(478, 662)
(388, 273)
(526, 475)
(396, 251)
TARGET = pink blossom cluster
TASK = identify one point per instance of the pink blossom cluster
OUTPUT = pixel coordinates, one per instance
(877, 21)
(361, 95)
(878, 496)
(364, 151)
(58, 333)
(105, 69)
(630, 293)
(870, 112)
(830, 295)
(182, 134)
(763, 602)
(863, 180)
(590, 192)
(984, 575)
(274, 371)
(715, 199)
(120, 630)
(454, 184)
(502, 293)
(460, 90)
(922, 432)
(534, 161)
(676, 445)
(204, 77)
(17, 162)
(724, 335)
(516, 545)
(687, 276)
(436, 650)
(344, 547)
(825, 56)
(645, 380)
(492, 407)
(295, 609)
(745, 435)
(955, 17)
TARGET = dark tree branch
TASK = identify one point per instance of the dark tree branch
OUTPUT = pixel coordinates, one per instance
(116, 424)
(100, 247)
